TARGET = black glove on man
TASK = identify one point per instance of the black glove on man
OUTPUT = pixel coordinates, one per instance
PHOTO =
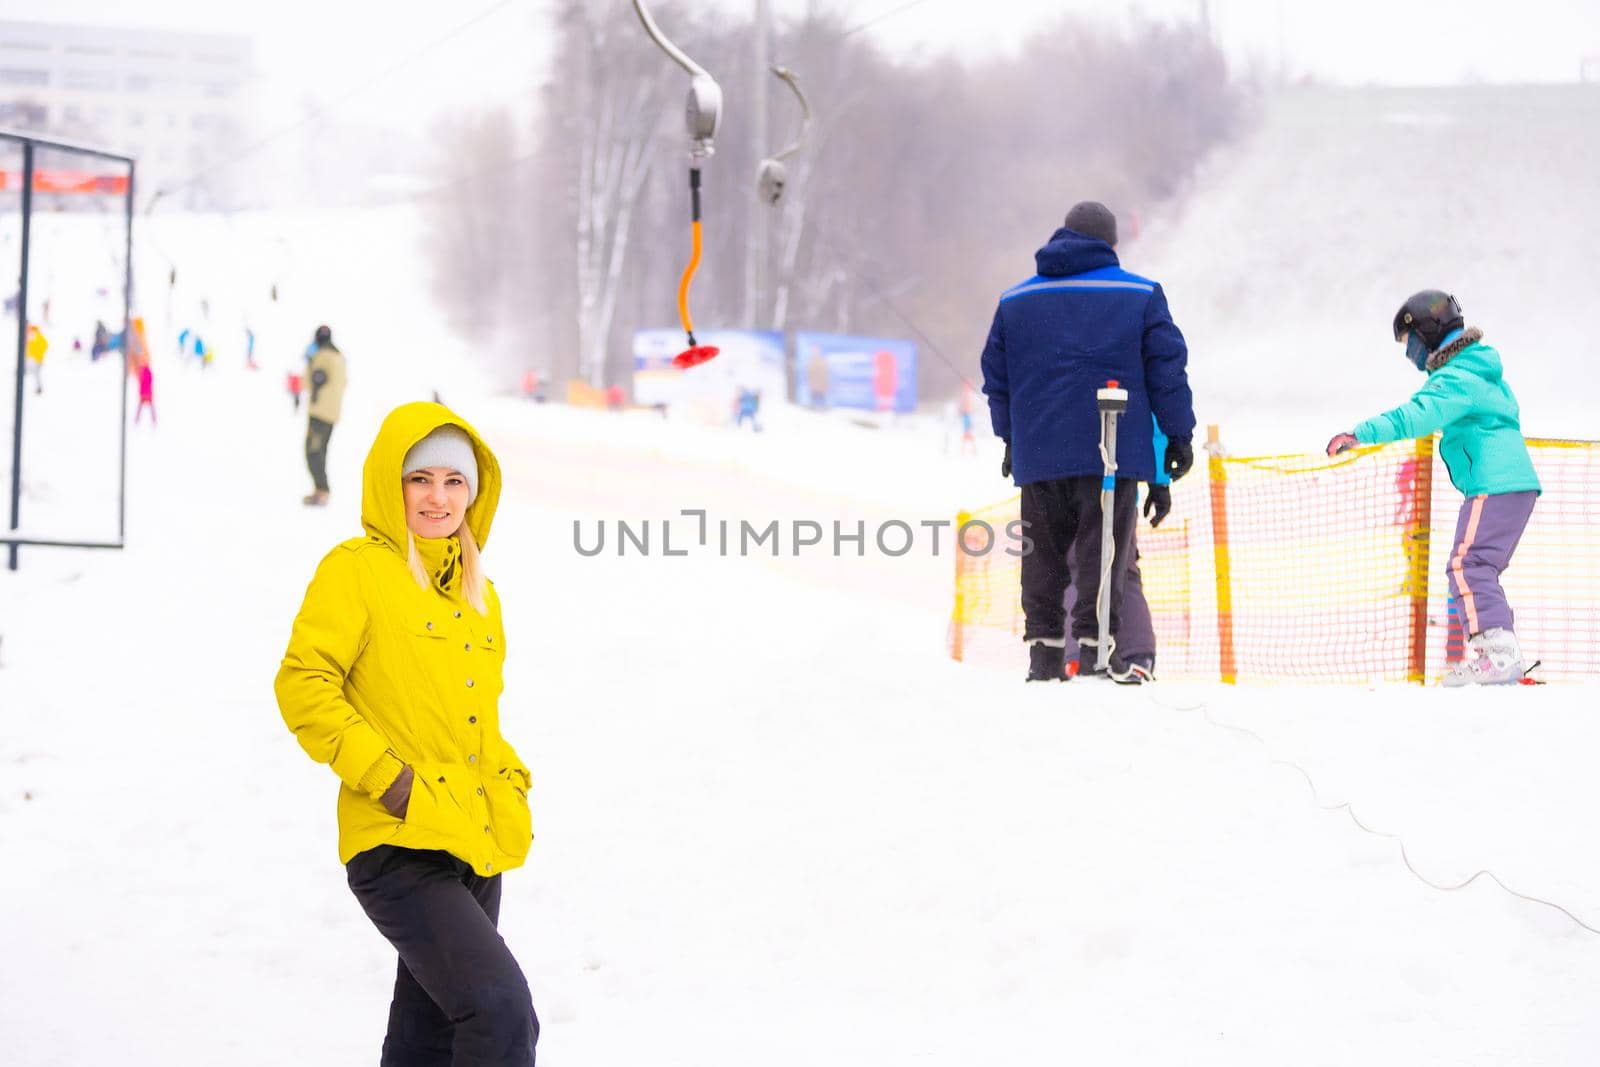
(1180, 457)
(1005, 464)
(1157, 503)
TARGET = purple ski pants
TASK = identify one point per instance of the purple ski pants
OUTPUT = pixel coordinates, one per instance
(1487, 532)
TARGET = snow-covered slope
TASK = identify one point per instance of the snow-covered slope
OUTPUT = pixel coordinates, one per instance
(774, 823)
(1285, 263)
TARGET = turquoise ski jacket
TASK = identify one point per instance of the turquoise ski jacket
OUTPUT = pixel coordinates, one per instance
(1466, 397)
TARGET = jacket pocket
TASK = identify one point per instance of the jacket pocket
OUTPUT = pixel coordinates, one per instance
(433, 804)
(509, 816)
(425, 626)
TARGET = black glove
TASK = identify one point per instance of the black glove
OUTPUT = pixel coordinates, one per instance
(1005, 464)
(1180, 457)
(1157, 503)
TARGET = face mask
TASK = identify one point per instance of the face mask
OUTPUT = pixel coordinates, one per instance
(1416, 350)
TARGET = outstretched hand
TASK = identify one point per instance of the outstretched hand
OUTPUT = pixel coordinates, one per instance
(1342, 442)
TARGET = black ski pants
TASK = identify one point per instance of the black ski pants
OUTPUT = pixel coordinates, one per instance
(1063, 521)
(460, 999)
(317, 434)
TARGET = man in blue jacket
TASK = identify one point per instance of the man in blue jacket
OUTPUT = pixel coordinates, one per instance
(1058, 337)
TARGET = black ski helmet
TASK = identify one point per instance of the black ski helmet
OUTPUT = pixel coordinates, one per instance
(323, 336)
(1432, 313)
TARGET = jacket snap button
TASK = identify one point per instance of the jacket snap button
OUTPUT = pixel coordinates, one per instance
(441, 779)
(469, 646)
(485, 829)
(430, 625)
(472, 759)
(458, 614)
(469, 683)
(480, 790)
(488, 866)
(472, 718)
(490, 639)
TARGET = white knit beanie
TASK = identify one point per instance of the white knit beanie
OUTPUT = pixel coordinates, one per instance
(449, 447)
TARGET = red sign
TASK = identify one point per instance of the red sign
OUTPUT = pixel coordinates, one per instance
(68, 181)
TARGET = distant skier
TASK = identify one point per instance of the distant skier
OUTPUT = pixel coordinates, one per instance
(1057, 338)
(147, 394)
(969, 443)
(748, 408)
(296, 385)
(1466, 397)
(327, 375)
(35, 347)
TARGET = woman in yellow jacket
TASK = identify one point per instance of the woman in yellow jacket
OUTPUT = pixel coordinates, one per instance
(392, 677)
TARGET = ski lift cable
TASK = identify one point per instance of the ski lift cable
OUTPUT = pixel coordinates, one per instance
(702, 115)
(883, 297)
(321, 112)
(1349, 809)
(852, 31)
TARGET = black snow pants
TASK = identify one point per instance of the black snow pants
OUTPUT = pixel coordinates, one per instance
(1063, 521)
(460, 999)
(317, 434)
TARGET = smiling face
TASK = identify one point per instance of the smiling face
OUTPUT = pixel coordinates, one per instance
(436, 501)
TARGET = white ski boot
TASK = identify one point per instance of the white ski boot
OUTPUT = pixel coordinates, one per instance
(1493, 658)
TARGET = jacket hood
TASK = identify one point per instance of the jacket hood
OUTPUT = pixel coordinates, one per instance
(1482, 361)
(1070, 252)
(1465, 341)
(383, 512)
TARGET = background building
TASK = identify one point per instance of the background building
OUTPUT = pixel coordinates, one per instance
(179, 102)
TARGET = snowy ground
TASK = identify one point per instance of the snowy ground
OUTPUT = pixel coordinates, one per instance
(775, 824)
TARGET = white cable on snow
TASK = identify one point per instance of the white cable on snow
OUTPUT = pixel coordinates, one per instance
(1345, 806)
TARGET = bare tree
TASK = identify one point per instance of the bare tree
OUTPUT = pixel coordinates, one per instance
(922, 190)
(618, 108)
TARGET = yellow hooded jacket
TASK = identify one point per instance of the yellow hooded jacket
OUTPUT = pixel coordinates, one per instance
(381, 673)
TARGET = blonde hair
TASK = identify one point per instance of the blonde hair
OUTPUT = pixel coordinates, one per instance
(472, 580)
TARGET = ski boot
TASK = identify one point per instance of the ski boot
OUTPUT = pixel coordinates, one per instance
(1493, 658)
(1089, 658)
(1047, 660)
(1136, 670)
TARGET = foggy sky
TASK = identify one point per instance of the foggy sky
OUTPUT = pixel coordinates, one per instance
(311, 51)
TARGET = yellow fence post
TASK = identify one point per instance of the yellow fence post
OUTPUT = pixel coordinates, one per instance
(1418, 536)
(1217, 468)
(958, 617)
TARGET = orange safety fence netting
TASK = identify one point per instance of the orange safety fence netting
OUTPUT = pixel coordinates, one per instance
(1303, 568)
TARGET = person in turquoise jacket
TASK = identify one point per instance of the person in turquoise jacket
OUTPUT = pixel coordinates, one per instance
(1467, 398)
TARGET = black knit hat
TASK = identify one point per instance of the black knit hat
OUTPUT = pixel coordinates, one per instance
(323, 336)
(1093, 219)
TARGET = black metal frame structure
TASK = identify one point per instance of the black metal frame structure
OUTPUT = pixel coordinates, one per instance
(30, 143)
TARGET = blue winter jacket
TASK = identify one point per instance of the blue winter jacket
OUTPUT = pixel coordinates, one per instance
(1060, 336)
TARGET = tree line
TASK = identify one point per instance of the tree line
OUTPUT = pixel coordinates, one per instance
(922, 189)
